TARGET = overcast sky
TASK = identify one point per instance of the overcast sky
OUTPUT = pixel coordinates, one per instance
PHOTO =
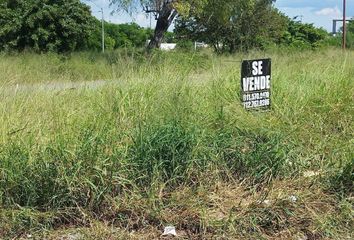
(318, 12)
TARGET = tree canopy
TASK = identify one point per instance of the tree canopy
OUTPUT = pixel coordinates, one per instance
(231, 25)
(303, 35)
(350, 34)
(118, 35)
(228, 26)
(165, 11)
(44, 25)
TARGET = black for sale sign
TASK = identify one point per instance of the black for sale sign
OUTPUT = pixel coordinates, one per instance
(256, 83)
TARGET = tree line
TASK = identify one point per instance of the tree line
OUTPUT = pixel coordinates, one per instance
(227, 26)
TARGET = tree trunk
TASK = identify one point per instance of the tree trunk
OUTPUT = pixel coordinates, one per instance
(232, 48)
(164, 21)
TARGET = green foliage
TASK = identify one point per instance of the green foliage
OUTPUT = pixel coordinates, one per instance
(63, 26)
(184, 7)
(128, 35)
(342, 182)
(169, 37)
(44, 25)
(162, 153)
(350, 34)
(230, 26)
(243, 25)
(165, 11)
(336, 41)
(303, 36)
(114, 150)
(242, 150)
(184, 44)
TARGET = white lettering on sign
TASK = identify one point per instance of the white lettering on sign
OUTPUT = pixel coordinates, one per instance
(256, 83)
(255, 96)
(257, 68)
(256, 103)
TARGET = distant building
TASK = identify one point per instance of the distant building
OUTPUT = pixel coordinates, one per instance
(172, 46)
(334, 25)
(165, 46)
(168, 46)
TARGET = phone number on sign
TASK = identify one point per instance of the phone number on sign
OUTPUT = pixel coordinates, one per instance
(257, 103)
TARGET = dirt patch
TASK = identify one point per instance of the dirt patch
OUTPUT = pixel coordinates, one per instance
(288, 209)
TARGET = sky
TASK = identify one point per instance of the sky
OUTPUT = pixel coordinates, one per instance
(319, 12)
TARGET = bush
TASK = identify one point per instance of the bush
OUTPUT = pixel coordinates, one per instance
(185, 45)
(303, 36)
(162, 153)
(44, 25)
(255, 155)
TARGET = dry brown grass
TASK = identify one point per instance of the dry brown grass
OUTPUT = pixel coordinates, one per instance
(223, 211)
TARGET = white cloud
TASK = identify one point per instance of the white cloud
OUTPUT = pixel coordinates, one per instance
(330, 12)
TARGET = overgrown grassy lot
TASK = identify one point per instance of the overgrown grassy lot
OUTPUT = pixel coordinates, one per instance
(164, 140)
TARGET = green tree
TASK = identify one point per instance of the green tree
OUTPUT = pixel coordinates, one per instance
(234, 25)
(169, 37)
(44, 25)
(350, 34)
(118, 35)
(94, 40)
(165, 11)
(303, 35)
(128, 34)
(350, 26)
(336, 40)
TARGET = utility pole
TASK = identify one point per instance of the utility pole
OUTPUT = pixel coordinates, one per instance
(102, 30)
(344, 26)
(102, 20)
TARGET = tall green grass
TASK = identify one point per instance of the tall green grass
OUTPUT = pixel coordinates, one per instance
(166, 120)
